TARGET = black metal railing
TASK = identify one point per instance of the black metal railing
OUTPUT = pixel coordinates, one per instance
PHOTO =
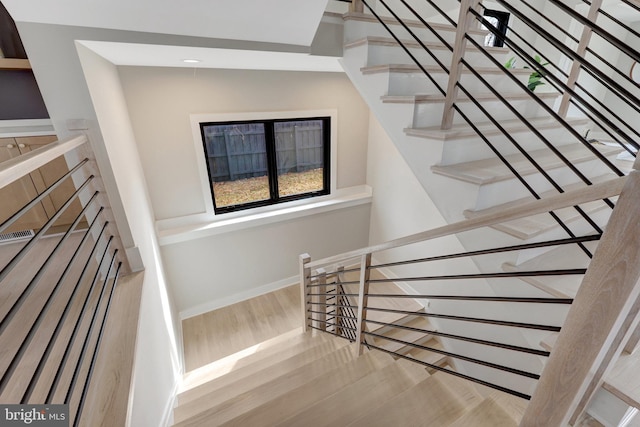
(330, 307)
(462, 109)
(382, 302)
(574, 74)
(57, 286)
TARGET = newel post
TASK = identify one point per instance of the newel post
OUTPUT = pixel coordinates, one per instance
(465, 22)
(602, 319)
(322, 300)
(338, 310)
(305, 281)
(581, 50)
(363, 297)
(356, 6)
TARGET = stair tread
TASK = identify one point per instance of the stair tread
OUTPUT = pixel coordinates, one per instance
(430, 357)
(464, 390)
(403, 304)
(417, 322)
(222, 366)
(232, 404)
(365, 17)
(463, 130)
(624, 379)
(357, 398)
(566, 287)
(512, 405)
(390, 41)
(486, 414)
(295, 400)
(404, 335)
(412, 68)
(549, 341)
(529, 227)
(416, 370)
(532, 226)
(428, 403)
(213, 394)
(485, 96)
(315, 344)
(492, 170)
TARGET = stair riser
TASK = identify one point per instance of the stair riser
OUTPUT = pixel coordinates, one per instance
(578, 225)
(545, 228)
(382, 54)
(430, 114)
(474, 148)
(356, 30)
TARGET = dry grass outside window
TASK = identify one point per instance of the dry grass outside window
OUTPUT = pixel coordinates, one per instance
(229, 193)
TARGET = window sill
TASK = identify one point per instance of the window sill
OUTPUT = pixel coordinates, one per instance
(176, 230)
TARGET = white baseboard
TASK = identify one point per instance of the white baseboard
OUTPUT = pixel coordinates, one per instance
(239, 297)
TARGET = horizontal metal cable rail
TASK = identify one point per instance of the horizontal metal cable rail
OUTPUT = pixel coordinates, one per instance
(324, 316)
(497, 124)
(378, 300)
(589, 110)
(60, 284)
(576, 99)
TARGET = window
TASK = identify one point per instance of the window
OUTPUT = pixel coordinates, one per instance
(263, 162)
(500, 20)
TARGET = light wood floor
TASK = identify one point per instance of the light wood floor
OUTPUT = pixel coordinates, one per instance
(216, 334)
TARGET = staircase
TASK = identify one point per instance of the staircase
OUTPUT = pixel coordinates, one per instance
(316, 379)
(507, 171)
(504, 146)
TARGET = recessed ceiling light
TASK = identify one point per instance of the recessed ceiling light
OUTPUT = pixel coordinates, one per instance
(191, 61)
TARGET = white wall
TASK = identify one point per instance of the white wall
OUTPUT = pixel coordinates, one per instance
(60, 76)
(160, 101)
(157, 361)
(211, 271)
(218, 270)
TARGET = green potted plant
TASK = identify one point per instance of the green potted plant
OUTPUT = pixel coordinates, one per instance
(535, 78)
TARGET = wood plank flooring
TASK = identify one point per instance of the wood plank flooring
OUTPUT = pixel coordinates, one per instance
(216, 334)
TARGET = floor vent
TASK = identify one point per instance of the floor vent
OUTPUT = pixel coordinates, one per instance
(15, 236)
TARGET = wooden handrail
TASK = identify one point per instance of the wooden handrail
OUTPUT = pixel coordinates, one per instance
(15, 168)
(600, 322)
(581, 50)
(570, 198)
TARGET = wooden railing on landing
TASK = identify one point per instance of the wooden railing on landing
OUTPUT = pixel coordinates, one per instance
(68, 317)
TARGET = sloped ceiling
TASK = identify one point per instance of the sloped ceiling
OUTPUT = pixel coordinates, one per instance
(272, 21)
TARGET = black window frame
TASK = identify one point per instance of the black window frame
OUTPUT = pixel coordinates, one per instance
(272, 168)
(503, 24)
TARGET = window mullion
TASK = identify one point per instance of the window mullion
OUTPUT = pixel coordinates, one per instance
(272, 164)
